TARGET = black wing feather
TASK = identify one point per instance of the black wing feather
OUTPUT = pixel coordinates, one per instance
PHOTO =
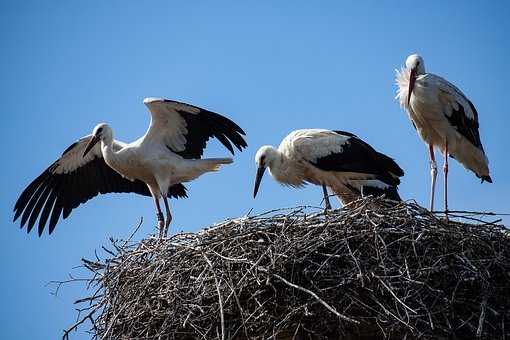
(206, 124)
(345, 133)
(465, 126)
(27, 194)
(389, 193)
(30, 205)
(51, 195)
(68, 196)
(358, 156)
(39, 205)
(57, 210)
(50, 202)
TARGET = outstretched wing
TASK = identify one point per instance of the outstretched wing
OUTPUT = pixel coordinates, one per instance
(72, 180)
(459, 110)
(345, 152)
(185, 128)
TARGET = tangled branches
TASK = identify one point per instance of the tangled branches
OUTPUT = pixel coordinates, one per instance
(376, 269)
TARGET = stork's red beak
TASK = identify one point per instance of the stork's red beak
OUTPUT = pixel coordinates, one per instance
(93, 141)
(412, 80)
(258, 178)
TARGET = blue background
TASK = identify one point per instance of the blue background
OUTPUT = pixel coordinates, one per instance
(270, 66)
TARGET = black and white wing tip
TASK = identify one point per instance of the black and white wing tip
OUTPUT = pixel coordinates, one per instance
(201, 125)
(463, 117)
(486, 179)
(391, 192)
(359, 157)
(377, 174)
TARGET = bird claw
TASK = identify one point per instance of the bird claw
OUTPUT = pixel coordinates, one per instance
(161, 228)
(161, 225)
(446, 219)
(167, 224)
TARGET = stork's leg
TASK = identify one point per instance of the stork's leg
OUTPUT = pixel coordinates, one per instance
(326, 198)
(445, 170)
(168, 215)
(433, 175)
(159, 215)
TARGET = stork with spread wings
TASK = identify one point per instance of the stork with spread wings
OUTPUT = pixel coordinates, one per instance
(155, 165)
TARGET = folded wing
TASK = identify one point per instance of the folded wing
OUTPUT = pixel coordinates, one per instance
(344, 152)
(459, 110)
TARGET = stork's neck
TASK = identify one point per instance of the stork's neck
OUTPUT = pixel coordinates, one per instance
(109, 154)
(275, 159)
(286, 170)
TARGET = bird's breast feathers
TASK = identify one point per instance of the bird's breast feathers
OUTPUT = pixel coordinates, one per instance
(290, 173)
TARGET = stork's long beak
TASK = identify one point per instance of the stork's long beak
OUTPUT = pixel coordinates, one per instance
(412, 80)
(93, 141)
(258, 179)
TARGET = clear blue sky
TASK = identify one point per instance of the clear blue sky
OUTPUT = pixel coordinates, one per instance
(270, 66)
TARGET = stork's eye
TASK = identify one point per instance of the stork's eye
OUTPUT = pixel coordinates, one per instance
(100, 130)
(262, 160)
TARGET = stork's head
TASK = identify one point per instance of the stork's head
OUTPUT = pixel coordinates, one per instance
(266, 157)
(415, 62)
(416, 65)
(102, 132)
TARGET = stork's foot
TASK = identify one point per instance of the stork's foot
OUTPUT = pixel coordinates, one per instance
(433, 176)
(161, 225)
(445, 170)
(167, 224)
(327, 204)
(446, 217)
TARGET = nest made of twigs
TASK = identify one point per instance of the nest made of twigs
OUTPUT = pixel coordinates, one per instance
(375, 269)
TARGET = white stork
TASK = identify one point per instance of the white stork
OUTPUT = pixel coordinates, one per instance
(154, 165)
(335, 159)
(444, 118)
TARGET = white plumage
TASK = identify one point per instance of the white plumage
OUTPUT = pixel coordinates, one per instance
(335, 159)
(156, 164)
(444, 118)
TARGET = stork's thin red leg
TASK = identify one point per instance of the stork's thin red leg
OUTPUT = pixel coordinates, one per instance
(168, 215)
(433, 175)
(326, 198)
(159, 215)
(445, 170)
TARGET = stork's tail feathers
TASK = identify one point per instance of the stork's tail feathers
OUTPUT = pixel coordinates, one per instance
(213, 164)
(486, 179)
(390, 165)
(472, 158)
(389, 192)
(177, 191)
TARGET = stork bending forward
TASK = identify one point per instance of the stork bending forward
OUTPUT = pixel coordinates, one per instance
(335, 159)
(444, 118)
(156, 164)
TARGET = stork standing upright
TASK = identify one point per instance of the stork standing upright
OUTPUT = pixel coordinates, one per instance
(444, 118)
(335, 159)
(154, 165)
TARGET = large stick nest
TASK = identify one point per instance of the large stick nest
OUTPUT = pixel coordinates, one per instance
(372, 270)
